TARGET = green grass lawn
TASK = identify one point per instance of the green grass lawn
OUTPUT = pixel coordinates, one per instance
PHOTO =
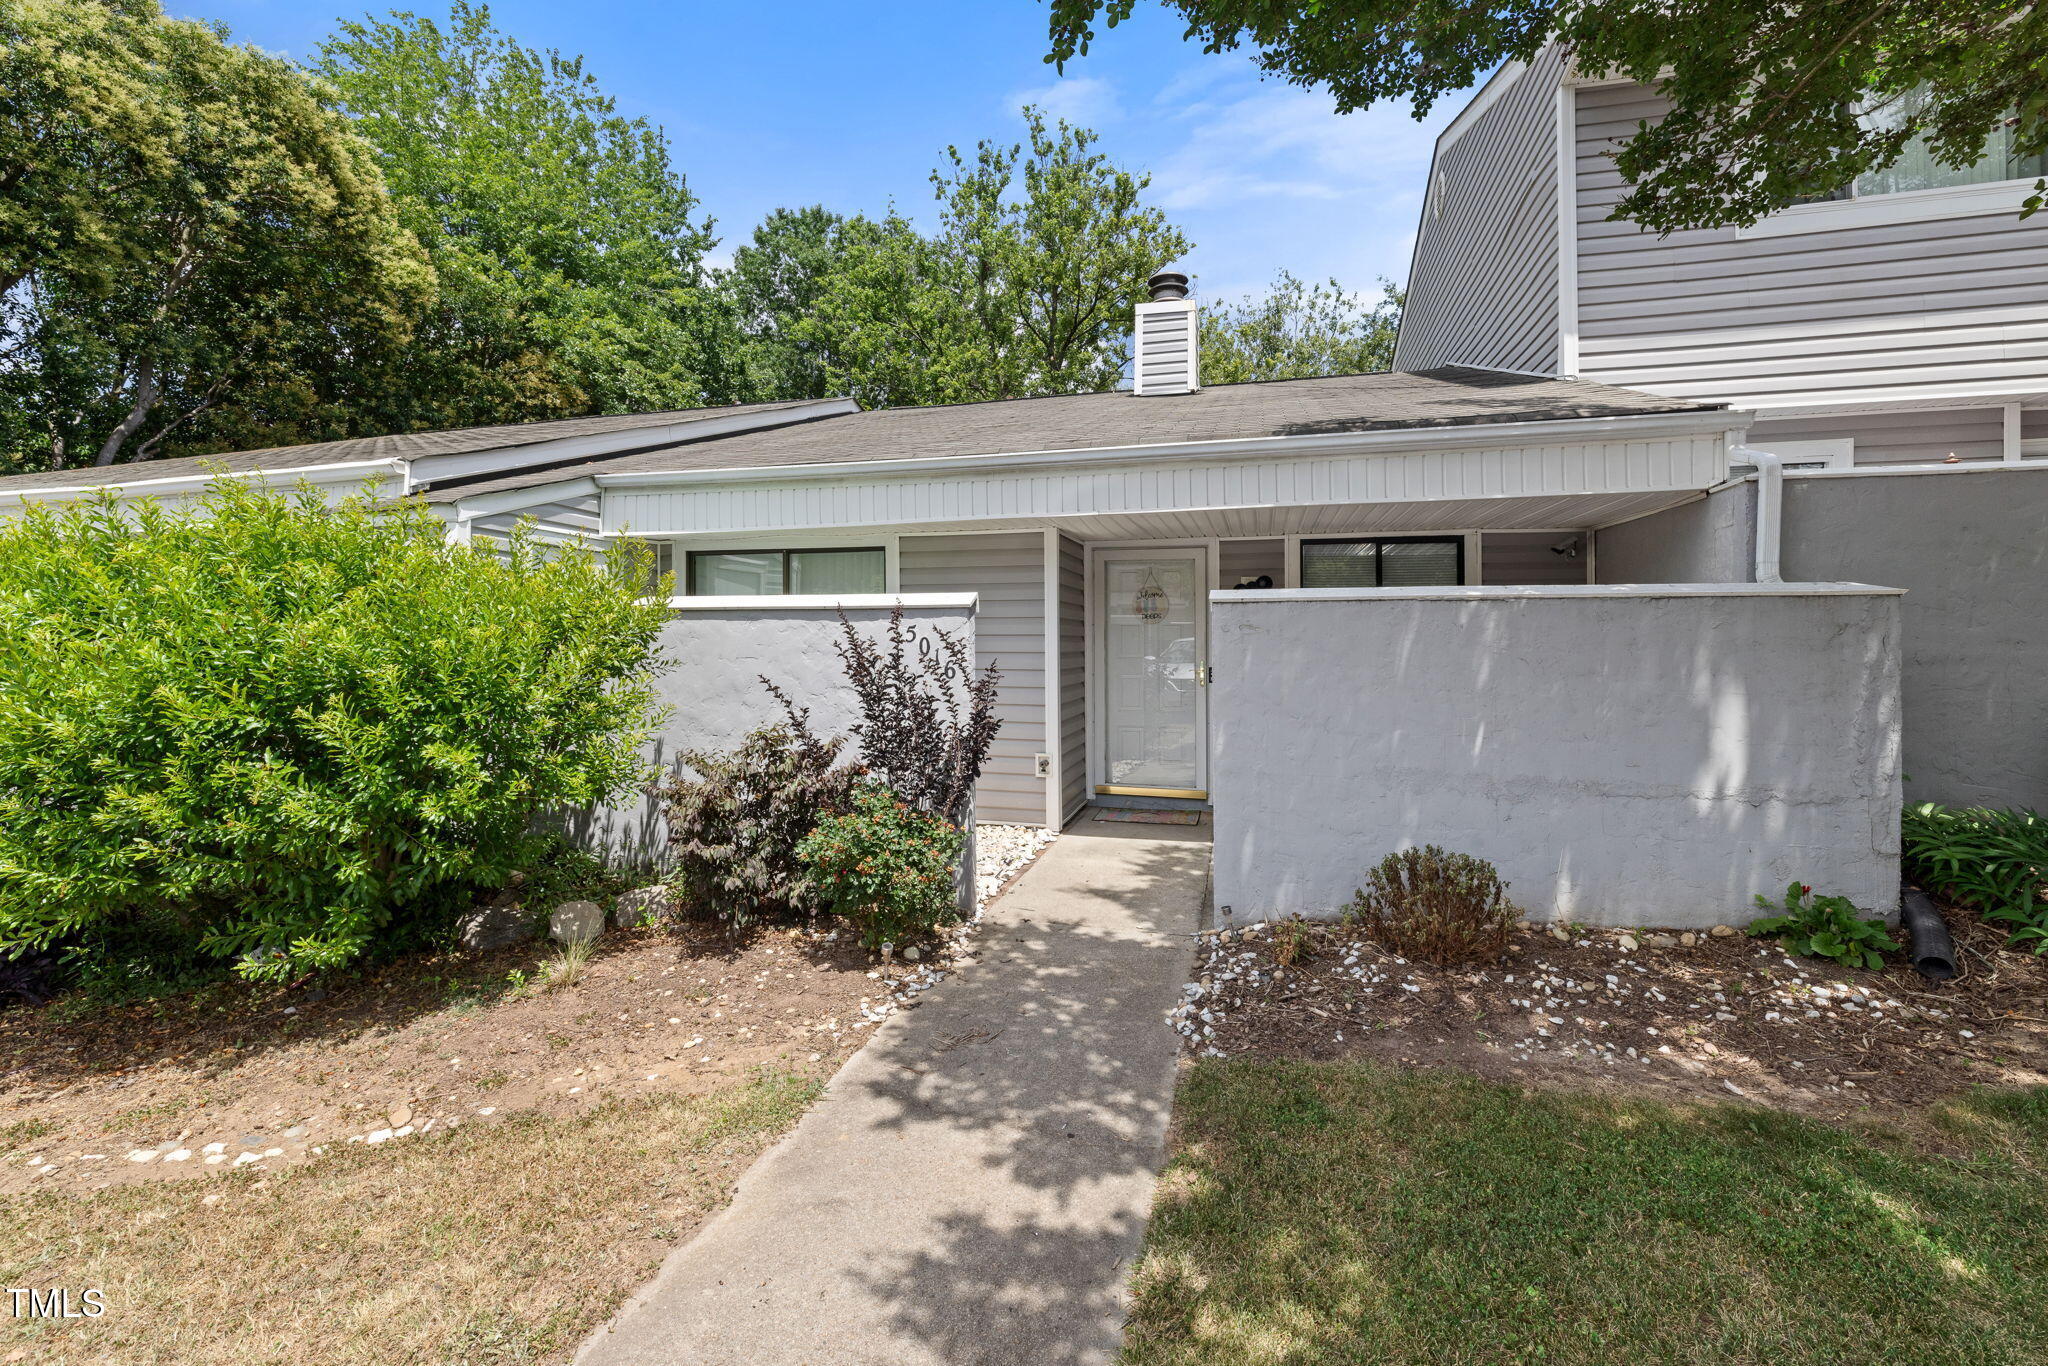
(1349, 1213)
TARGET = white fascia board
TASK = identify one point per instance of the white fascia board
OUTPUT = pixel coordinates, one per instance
(1489, 95)
(1469, 436)
(824, 602)
(427, 468)
(511, 500)
(1562, 591)
(319, 475)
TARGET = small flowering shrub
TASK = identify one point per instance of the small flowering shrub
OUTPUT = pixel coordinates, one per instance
(1440, 907)
(885, 867)
(1825, 927)
(736, 827)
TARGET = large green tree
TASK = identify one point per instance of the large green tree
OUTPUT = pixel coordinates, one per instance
(1771, 100)
(1025, 288)
(775, 280)
(1298, 330)
(185, 225)
(568, 246)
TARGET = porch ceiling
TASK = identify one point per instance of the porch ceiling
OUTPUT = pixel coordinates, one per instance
(1557, 512)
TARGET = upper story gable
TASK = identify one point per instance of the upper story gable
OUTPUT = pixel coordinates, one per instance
(1906, 294)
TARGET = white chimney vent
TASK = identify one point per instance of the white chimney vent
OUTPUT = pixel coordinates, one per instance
(1167, 339)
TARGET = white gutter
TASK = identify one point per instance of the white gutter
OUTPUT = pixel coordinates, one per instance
(1770, 509)
(339, 473)
(1464, 436)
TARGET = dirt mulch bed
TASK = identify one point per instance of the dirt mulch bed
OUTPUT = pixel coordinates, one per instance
(1707, 1017)
(189, 1086)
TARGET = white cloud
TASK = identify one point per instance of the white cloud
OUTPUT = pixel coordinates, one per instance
(1087, 101)
(1268, 177)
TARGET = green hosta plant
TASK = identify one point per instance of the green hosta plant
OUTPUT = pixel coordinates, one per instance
(294, 731)
(1825, 927)
(1997, 861)
(885, 867)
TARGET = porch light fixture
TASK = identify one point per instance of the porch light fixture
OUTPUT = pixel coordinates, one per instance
(1150, 603)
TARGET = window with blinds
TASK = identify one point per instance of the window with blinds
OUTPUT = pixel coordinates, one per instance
(770, 573)
(1384, 562)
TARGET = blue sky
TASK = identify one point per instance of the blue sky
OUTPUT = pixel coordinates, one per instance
(851, 104)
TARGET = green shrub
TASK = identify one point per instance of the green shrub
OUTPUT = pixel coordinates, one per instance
(885, 867)
(734, 829)
(1440, 907)
(1825, 927)
(294, 729)
(1997, 861)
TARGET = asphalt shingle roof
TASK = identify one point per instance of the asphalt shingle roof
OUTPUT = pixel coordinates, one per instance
(404, 446)
(1386, 401)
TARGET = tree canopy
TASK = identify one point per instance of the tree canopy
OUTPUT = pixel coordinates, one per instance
(1298, 330)
(1771, 100)
(775, 281)
(568, 247)
(186, 231)
(1026, 288)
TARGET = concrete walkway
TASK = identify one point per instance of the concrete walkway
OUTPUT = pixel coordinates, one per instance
(973, 1185)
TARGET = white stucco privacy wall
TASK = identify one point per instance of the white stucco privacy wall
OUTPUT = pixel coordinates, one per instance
(722, 647)
(1625, 755)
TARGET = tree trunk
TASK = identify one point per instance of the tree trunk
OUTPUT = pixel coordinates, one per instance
(145, 399)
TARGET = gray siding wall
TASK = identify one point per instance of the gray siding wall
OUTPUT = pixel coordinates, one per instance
(1909, 437)
(1073, 611)
(1710, 540)
(1894, 312)
(1526, 557)
(1008, 571)
(1483, 288)
(1240, 560)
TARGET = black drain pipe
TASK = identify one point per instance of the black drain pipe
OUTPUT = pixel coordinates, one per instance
(1934, 953)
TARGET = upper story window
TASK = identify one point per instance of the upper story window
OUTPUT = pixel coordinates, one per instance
(1384, 562)
(1916, 168)
(1915, 188)
(771, 573)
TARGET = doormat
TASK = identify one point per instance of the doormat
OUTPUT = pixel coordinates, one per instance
(1105, 813)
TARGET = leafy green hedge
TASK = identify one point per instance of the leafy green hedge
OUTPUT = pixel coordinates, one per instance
(1996, 860)
(289, 727)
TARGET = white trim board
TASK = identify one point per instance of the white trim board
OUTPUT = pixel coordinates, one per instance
(1561, 591)
(1906, 206)
(341, 472)
(823, 602)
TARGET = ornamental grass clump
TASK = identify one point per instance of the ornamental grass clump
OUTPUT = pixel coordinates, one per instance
(294, 731)
(887, 868)
(1439, 907)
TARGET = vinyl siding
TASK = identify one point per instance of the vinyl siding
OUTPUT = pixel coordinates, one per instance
(1890, 313)
(1073, 618)
(1241, 560)
(561, 520)
(1525, 557)
(1008, 571)
(1914, 436)
(1483, 287)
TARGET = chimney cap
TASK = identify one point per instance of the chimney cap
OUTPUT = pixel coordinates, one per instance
(1167, 284)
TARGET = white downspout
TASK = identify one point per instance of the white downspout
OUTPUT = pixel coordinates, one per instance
(1770, 508)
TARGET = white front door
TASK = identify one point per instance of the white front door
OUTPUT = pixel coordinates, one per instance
(1152, 638)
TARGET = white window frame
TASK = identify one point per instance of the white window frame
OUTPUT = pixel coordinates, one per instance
(1994, 197)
